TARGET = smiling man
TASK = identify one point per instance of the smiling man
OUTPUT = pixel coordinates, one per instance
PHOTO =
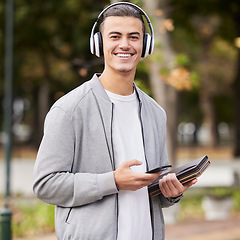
(101, 138)
(122, 46)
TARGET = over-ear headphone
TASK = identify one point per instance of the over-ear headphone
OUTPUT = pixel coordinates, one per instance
(96, 43)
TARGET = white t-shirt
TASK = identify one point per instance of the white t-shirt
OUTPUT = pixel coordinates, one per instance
(134, 220)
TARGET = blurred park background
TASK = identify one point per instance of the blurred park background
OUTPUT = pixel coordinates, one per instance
(194, 74)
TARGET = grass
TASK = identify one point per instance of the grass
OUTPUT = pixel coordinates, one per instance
(191, 206)
(34, 219)
(191, 203)
(31, 217)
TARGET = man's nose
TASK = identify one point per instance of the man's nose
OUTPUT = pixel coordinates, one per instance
(124, 44)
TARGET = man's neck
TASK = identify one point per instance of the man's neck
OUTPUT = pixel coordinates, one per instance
(118, 83)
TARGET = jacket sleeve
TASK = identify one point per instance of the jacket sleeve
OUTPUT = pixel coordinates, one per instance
(164, 160)
(53, 180)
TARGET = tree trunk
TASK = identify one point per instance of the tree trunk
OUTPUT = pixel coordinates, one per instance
(42, 102)
(43, 107)
(206, 93)
(236, 90)
(206, 104)
(206, 101)
(164, 94)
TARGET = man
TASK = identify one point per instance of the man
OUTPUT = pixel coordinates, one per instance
(101, 138)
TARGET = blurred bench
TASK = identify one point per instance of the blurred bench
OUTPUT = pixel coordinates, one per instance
(218, 175)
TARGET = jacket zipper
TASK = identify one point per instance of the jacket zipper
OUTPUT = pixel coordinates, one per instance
(114, 167)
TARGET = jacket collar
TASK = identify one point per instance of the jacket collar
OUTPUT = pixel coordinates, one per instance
(98, 87)
(99, 90)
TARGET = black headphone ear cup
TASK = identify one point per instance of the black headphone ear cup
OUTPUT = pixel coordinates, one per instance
(98, 44)
(146, 45)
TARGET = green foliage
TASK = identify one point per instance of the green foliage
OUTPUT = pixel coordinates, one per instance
(137, 2)
(51, 47)
(236, 200)
(223, 49)
(223, 101)
(164, 71)
(191, 203)
(141, 78)
(194, 77)
(182, 59)
(142, 68)
(142, 85)
(211, 53)
(220, 191)
(191, 207)
(32, 219)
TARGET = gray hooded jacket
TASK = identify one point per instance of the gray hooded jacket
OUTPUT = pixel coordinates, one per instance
(76, 150)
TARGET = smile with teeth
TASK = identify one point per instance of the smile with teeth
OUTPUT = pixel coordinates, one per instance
(124, 55)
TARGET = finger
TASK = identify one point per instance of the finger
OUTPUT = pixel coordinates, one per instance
(145, 178)
(170, 181)
(189, 184)
(133, 162)
(174, 180)
(170, 186)
(163, 186)
(152, 176)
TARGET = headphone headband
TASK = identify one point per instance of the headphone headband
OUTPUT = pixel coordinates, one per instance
(150, 42)
(123, 3)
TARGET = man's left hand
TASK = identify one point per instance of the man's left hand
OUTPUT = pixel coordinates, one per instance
(171, 187)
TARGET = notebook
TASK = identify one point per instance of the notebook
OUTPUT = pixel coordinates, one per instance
(184, 173)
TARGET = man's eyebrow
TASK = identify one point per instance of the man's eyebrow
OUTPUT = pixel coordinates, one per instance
(110, 33)
(131, 33)
(134, 33)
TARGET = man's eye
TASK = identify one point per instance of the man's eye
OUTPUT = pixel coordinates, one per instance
(134, 37)
(114, 37)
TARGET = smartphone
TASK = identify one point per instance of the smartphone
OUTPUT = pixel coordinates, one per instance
(159, 169)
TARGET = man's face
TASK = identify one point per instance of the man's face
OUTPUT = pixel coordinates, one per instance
(122, 43)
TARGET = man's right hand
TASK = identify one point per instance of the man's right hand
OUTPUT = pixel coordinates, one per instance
(126, 179)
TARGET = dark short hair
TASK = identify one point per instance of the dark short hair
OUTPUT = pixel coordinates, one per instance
(122, 10)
